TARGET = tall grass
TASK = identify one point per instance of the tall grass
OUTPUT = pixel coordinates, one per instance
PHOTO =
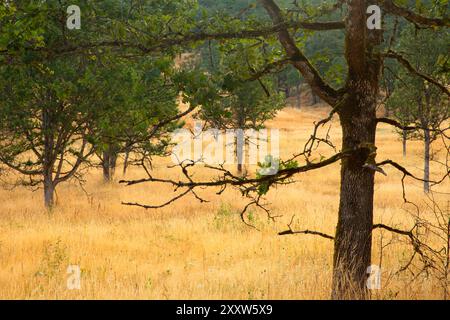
(191, 250)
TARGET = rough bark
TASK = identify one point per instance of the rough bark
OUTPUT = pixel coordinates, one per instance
(353, 240)
(357, 112)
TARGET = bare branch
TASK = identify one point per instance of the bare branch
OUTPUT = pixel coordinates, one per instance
(394, 230)
(157, 206)
(409, 174)
(237, 181)
(316, 233)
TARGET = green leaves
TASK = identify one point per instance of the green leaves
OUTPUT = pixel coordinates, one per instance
(413, 99)
(269, 167)
(20, 28)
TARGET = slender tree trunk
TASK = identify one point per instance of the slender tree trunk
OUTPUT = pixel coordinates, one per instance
(125, 161)
(49, 191)
(279, 84)
(426, 169)
(240, 149)
(404, 139)
(48, 161)
(112, 163)
(426, 116)
(109, 163)
(240, 139)
(105, 165)
(282, 85)
(299, 95)
(313, 98)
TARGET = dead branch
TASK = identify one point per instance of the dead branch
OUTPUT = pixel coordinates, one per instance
(291, 231)
(409, 174)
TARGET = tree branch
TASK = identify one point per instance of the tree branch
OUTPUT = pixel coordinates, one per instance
(184, 39)
(394, 55)
(299, 61)
(398, 125)
(291, 231)
(239, 181)
(413, 17)
(134, 204)
(268, 68)
(409, 174)
(316, 233)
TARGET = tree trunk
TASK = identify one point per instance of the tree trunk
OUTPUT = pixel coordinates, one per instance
(125, 162)
(353, 241)
(48, 161)
(357, 112)
(313, 98)
(49, 192)
(240, 139)
(426, 116)
(109, 163)
(105, 165)
(299, 95)
(240, 149)
(426, 169)
(112, 163)
(282, 85)
(404, 139)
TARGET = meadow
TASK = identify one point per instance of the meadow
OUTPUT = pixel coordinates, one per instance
(193, 250)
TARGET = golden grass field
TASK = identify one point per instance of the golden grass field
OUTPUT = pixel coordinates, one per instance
(191, 250)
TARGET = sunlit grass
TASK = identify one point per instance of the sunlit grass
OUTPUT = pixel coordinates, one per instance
(191, 250)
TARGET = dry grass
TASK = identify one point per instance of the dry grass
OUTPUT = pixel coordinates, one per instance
(199, 251)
